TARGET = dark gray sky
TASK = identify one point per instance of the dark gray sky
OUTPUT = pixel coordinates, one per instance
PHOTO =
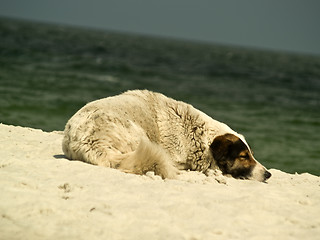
(291, 25)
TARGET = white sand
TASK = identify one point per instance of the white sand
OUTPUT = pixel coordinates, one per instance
(44, 196)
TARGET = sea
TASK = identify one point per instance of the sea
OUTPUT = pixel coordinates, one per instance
(48, 72)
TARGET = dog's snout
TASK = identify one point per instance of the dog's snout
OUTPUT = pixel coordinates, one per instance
(267, 175)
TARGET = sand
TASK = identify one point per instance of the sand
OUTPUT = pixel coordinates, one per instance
(45, 196)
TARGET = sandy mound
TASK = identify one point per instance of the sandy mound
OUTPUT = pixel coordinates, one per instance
(45, 196)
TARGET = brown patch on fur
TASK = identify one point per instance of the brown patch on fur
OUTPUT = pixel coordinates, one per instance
(232, 156)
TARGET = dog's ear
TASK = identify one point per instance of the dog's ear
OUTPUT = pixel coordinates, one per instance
(220, 148)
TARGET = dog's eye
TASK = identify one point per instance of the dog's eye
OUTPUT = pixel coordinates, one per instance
(245, 156)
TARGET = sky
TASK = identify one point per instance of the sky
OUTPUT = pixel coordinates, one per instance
(285, 25)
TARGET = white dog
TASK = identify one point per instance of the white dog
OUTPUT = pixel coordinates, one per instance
(141, 131)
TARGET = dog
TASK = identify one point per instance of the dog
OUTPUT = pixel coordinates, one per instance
(140, 131)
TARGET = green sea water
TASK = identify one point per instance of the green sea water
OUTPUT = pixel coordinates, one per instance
(47, 72)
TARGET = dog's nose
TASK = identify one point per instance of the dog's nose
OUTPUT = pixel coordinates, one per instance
(267, 175)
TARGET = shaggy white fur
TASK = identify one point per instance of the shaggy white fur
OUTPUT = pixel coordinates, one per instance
(140, 131)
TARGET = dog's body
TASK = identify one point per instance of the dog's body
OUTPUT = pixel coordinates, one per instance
(141, 131)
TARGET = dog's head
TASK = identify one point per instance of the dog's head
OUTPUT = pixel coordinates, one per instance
(233, 156)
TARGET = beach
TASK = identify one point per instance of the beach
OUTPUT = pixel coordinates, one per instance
(45, 196)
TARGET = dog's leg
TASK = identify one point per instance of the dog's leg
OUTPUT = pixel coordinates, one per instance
(146, 157)
(91, 151)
